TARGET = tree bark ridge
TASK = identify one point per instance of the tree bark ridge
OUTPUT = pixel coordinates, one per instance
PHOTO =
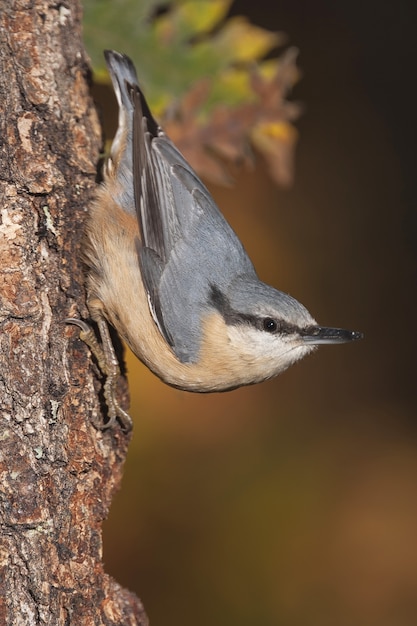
(58, 473)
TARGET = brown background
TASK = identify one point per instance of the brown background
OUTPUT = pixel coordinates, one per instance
(294, 502)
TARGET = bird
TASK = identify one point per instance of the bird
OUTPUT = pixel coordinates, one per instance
(168, 272)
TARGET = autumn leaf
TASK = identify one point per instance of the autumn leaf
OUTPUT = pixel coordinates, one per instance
(205, 78)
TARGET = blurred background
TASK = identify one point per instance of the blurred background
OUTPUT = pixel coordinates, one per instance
(294, 502)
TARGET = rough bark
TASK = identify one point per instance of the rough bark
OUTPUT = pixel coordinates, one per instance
(58, 472)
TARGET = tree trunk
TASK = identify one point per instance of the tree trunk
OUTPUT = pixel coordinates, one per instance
(58, 471)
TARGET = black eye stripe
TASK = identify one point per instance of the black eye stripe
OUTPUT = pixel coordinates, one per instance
(270, 325)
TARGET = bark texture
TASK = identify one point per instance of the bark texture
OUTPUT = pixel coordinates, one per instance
(58, 473)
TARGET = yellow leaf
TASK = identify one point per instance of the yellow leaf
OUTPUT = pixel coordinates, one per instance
(276, 141)
(266, 133)
(232, 86)
(101, 77)
(244, 42)
(268, 69)
(201, 17)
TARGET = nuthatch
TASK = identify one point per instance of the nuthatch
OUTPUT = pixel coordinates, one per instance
(169, 273)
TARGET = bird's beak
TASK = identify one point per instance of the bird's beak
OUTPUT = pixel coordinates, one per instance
(320, 334)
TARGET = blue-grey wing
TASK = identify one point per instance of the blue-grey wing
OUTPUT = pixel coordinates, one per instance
(189, 247)
(185, 247)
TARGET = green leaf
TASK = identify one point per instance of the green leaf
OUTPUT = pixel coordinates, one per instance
(207, 72)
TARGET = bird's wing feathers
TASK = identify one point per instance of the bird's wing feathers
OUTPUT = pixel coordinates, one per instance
(186, 244)
(146, 188)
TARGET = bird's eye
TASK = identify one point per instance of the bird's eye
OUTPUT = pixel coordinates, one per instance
(270, 325)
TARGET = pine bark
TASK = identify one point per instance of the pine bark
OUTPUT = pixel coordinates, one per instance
(58, 471)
